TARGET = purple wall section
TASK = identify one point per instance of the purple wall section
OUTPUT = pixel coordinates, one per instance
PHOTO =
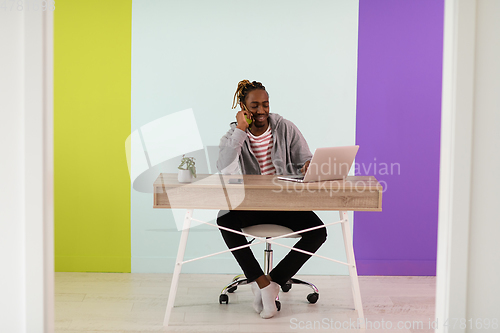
(398, 121)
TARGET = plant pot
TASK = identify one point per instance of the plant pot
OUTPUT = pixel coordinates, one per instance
(185, 176)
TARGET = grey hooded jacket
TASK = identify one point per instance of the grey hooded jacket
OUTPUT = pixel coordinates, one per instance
(289, 153)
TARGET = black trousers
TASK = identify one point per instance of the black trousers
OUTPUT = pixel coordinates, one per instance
(296, 220)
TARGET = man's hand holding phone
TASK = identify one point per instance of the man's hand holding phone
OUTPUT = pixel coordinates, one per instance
(244, 119)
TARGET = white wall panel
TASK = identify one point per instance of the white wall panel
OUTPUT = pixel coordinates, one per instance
(26, 170)
(192, 54)
(468, 269)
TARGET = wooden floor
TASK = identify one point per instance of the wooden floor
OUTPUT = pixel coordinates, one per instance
(115, 302)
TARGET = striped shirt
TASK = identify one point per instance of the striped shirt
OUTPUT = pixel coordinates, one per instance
(261, 147)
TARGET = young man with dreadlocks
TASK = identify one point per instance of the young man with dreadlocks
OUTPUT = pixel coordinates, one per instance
(269, 145)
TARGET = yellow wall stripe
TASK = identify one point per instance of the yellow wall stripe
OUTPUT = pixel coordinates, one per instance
(92, 74)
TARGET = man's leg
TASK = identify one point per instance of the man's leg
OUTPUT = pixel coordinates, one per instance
(310, 241)
(236, 220)
(267, 291)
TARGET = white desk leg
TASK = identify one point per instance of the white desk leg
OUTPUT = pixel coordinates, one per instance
(178, 265)
(353, 272)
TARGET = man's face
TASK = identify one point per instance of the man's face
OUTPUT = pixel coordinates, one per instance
(257, 102)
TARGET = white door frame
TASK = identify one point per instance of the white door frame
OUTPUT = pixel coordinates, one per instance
(455, 163)
(39, 170)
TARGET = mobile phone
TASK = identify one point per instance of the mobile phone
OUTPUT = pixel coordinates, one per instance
(249, 121)
(236, 181)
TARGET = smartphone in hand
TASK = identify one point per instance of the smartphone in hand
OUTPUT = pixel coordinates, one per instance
(249, 121)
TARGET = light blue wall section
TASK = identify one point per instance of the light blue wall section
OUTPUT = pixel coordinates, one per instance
(191, 54)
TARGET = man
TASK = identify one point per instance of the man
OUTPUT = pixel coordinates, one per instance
(265, 144)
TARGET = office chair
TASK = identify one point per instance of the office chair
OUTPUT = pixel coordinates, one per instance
(268, 231)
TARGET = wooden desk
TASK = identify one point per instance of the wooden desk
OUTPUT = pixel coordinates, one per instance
(359, 193)
(259, 192)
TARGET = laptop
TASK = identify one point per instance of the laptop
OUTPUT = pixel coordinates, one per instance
(328, 163)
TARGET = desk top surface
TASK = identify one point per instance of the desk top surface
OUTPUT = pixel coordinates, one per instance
(267, 192)
(269, 182)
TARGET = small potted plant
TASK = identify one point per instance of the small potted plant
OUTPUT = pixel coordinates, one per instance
(187, 170)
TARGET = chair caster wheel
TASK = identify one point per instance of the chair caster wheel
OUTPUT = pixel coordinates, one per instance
(312, 298)
(232, 289)
(223, 298)
(286, 287)
(278, 305)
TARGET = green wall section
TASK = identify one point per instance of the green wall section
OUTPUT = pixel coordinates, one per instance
(92, 76)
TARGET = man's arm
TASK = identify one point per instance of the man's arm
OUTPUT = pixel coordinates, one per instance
(229, 150)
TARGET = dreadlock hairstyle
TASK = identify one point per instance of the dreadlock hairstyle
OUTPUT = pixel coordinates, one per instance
(244, 87)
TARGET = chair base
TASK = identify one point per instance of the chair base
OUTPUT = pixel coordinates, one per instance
(240, 280)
